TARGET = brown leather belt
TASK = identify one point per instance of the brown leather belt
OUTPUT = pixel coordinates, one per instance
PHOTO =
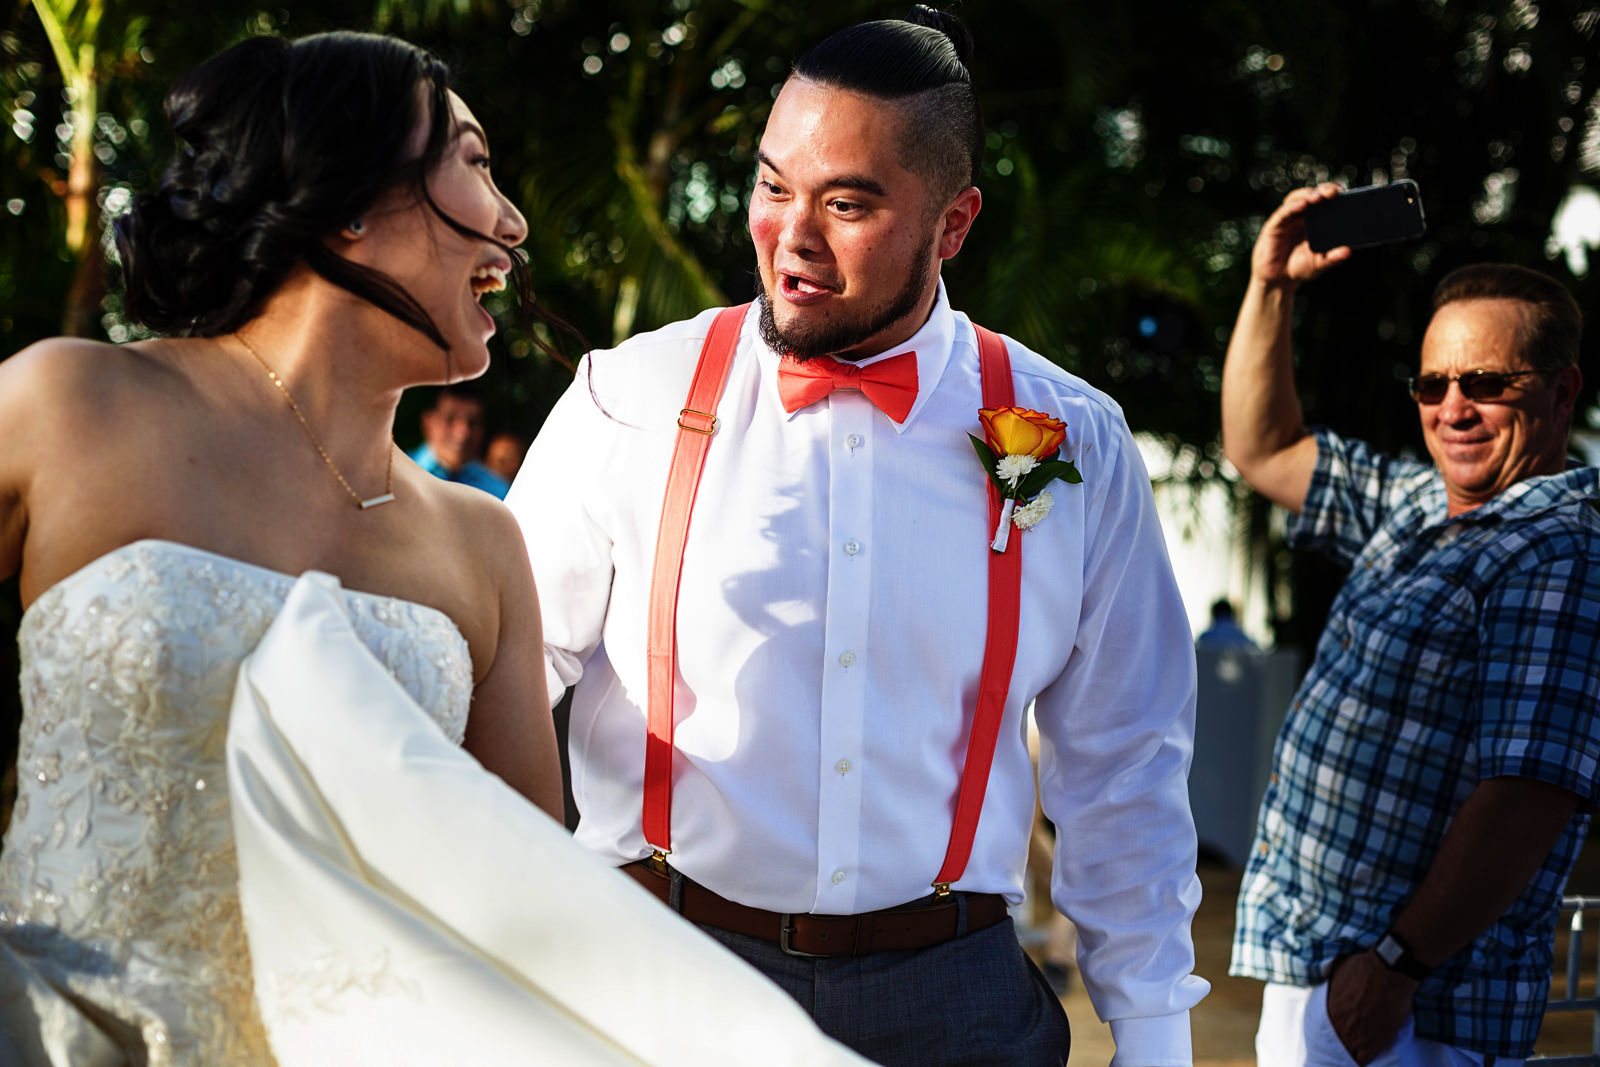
(910, 926)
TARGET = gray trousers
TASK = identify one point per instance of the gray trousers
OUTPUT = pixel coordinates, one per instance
(977, 1001)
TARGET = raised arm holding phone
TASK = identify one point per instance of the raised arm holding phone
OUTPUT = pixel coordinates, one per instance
(1263, 432)
(1433, 778)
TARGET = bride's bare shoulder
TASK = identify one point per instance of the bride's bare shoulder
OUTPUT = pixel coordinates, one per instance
(59, 401)
(62, 360)
(62, 375)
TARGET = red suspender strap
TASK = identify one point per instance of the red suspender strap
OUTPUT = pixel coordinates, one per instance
(696, 423)
(1000, 648)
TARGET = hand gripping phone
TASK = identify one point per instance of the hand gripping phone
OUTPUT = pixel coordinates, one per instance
(1374, 215)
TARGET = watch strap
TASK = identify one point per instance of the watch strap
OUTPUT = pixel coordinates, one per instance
(1395, 953)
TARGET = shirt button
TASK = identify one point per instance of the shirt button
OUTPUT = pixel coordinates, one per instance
(846, 658)
(852, 441)
(843, 766)
(852, 547)
(838, 877)
(1274, 777)
(1263, 848)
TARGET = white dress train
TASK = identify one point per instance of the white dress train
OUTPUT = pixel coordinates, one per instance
(404, 906)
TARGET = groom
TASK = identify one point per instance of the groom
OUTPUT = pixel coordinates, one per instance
(801, 618)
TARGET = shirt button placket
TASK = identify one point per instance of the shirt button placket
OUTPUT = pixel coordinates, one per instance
(847, 644)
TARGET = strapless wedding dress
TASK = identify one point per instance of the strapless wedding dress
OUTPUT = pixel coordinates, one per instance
(321, 873)
(119, 904)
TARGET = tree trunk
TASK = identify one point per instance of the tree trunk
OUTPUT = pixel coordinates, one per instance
(81, 316)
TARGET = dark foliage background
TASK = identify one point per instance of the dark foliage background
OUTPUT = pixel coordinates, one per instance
(1134, 148)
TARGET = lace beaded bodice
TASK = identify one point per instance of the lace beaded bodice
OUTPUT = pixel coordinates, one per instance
(118, 877)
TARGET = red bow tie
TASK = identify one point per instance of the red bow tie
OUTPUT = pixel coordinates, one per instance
(890, 384)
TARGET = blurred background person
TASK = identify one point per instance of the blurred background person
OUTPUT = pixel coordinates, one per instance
(504, 454)
(452, 441)
(1224, 631)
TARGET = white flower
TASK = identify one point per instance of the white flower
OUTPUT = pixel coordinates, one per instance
(1033, 512)
(1014, 467)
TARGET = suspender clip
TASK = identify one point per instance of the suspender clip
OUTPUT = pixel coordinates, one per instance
(708, 426)
(941, 890)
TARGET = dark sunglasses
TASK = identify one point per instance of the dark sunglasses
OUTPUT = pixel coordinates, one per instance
(1475, 385)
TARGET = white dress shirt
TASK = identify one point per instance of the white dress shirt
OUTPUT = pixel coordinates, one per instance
(831, 624)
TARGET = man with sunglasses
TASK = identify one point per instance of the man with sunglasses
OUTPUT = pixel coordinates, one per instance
(1434, 777)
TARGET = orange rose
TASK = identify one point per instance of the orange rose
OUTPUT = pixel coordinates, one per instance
(1020, 432)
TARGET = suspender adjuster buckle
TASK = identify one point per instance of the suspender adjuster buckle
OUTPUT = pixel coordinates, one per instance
(708, 421)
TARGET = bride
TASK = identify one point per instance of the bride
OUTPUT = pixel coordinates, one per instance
(319, 245)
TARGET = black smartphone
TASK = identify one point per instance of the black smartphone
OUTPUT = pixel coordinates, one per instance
(1374, 215)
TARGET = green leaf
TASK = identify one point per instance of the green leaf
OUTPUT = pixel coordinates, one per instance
(1044, 474)
(986, 455)
(1036, 480)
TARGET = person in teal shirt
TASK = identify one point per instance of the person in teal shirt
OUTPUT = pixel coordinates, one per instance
(452, 441)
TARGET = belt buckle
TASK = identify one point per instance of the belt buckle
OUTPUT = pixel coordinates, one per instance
(785, 928)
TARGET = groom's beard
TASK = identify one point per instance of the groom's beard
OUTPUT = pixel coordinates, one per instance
(831, 337)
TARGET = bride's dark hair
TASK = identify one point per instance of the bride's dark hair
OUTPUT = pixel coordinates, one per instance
(284, 144)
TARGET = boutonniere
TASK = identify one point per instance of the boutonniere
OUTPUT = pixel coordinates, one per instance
(1021, 456)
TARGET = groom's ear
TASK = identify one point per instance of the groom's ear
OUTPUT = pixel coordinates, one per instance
(957, 221)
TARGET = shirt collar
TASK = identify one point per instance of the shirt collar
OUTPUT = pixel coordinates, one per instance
(1528, 497)
(932, 344)
(1531, 495)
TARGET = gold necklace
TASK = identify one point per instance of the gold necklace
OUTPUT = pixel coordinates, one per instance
(388, 478)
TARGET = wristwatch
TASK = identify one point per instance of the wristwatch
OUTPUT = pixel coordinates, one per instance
(1396, 955)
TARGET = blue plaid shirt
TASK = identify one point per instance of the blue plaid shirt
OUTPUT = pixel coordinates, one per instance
(1459, 649)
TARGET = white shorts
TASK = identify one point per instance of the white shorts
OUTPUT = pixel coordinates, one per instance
(1296, 1032)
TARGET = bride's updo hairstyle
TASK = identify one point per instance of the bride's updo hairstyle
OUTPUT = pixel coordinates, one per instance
(920, 63)
(285, 143)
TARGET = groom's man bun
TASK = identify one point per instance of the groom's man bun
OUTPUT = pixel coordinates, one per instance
(919, 63)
